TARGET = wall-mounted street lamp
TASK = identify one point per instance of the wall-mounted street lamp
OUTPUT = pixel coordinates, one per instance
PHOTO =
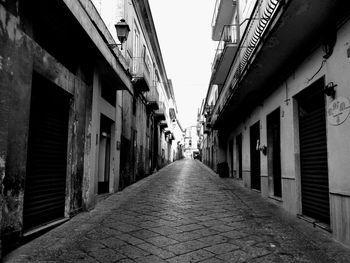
(329, 89)
(123, 30)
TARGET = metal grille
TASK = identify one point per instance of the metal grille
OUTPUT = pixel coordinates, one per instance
(44, 198)
(313, 158)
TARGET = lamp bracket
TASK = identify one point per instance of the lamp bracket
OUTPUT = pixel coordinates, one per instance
(329, 89)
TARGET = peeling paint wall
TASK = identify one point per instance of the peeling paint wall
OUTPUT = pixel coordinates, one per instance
(15, 87)
(125, 143)
(134, 157)
(20, 56)
(4, 111)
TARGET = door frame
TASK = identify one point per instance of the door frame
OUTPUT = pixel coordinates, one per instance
(37, 79)
(314, 86)
(239, 155)
(255, 158)
(273, 118)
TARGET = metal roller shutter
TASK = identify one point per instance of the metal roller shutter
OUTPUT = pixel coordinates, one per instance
(313, 157)
(44, 199)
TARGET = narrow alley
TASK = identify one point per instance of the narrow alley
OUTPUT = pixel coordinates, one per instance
(183, 213)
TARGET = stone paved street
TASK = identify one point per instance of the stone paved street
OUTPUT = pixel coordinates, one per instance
(184, 213)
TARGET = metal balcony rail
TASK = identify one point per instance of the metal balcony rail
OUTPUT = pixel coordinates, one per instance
(258, 24)
(153, 94)
(216, 10)
(229, 35)
(161, 106)
(140, 69)
(161, 114)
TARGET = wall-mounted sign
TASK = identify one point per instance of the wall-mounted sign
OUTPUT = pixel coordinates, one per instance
(338, 111)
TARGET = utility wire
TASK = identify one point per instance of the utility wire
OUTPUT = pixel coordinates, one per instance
(322, 64)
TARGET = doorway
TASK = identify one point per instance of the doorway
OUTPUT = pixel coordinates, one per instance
(133, 155)
(313, 153)
(255, 156)
(239, 155)
(230, 147)
(45, 184)
(104, 155)
(274, 153)
(212, 158)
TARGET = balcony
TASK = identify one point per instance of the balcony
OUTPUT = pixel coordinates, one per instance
(206, 127)
(172, 114)
(152, 98)
(159, 114)
(271, 47)
(225, 54)
(223, 15)
(163, 125)
(140, 73)
(169, 135)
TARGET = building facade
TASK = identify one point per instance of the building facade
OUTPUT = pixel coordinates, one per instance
(80, 118)
(191, 140)
(148, 114)
(280, 119)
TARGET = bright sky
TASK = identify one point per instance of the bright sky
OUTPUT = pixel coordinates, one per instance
(184, 34)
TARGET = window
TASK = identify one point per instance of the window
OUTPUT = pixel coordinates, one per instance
(136, 42)
(156, 78)
(136, 49)
(144, 53)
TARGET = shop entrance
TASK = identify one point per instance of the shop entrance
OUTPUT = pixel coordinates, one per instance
(104, 156)
(274, 153)
(45, 184)
(313, 153)
(239, 155)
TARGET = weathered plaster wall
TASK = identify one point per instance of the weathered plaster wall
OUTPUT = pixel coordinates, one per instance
(338, 140)
(91, 145)
(118, 131)
(88, 187)
(15, 74)
(337, 71)
(126, 169)
(141, 127)
(78, 118)
(20, 57)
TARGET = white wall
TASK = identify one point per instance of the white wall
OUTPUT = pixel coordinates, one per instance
(335, 70)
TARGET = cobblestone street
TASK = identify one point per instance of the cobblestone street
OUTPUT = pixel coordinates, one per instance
(183, 213)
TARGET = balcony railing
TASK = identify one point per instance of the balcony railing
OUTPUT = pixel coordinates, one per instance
(223, 14)
(216, 11)
(152, 98)
(160, 113)
(153, 94)
(258, 24)
(206, 127)
(162, 106)
(225, 54)
(140, 71)
(229, 36)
